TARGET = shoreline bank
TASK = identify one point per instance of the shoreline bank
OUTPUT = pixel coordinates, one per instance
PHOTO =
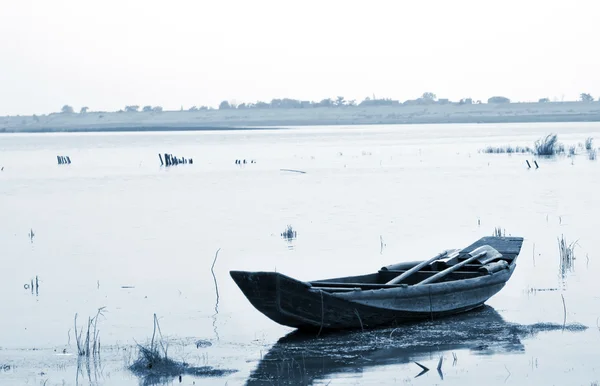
(261, 119)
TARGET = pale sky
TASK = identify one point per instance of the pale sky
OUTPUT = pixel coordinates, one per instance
(111, 53)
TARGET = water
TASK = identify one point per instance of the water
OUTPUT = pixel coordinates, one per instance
(114, 218)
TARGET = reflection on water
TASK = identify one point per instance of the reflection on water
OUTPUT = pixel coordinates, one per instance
(90, 367)
(299, 358)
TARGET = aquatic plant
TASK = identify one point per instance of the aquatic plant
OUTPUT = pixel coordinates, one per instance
(572, 150)
(548, 146)
(154, 365)
(589, 143)
(289, 233)
(92, 336)
(592, 154)
(567, 254)
(506, 149)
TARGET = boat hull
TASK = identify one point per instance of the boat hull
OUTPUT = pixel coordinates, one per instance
(296, 304)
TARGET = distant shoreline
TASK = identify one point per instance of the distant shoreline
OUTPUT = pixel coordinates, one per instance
(272, 119)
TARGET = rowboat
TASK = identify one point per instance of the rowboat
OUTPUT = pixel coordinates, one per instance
(451, 282)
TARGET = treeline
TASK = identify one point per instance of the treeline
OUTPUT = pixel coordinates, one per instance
(287, 103)
(428, 98)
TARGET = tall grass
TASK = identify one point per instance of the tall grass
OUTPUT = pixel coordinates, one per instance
(289, 233)
(89, 344)
(572, 150)
(566, 251)
(548, 146)
(154, 365)
(506, 150)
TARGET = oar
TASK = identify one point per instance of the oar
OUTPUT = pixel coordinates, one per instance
(451, 269)
(417, 267)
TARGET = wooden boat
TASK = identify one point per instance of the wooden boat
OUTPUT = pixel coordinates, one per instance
(451, 282)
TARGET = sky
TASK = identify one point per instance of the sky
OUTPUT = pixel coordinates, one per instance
(112, 53)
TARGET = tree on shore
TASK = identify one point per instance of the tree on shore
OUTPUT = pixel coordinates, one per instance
(132, 109)
(340, 101)
(586, 97)
(66, 109)
(84, 110)
(225, 105)
(498, 99)
(429, 97)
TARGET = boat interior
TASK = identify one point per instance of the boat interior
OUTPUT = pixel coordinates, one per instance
(479, 259)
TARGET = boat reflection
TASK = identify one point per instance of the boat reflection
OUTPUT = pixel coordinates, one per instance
(301, 358)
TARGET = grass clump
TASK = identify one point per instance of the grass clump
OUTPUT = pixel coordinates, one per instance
(154, 366)
(548, 146)
(90, 343)
(572, 150)
(289, 233)
(567, 254)
(506, 149)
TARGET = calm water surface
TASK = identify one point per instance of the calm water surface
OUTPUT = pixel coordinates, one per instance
(115, 218)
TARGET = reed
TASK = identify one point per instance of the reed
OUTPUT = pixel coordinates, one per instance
(153, 360)
(89, 343)
(566, 249)
(506, 149)
(154, 365)
(548, 146)
(572, 150)
(289, 233)
(566, 252)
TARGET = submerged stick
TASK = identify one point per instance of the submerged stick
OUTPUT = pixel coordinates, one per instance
(213, 273)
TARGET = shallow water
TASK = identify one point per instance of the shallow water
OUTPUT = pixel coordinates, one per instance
(114, 218)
